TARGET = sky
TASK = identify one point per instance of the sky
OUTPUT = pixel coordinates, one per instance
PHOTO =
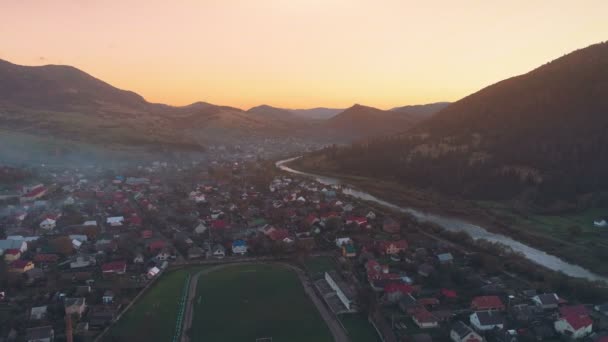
(299, 53)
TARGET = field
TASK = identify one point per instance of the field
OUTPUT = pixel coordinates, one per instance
(242, 303)
(359, 329)
(153, 317)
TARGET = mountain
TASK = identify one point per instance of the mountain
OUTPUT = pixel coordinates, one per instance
(63, 102)
(319, 113)
(362, 121)
(425, 110)
(272, 113)
(543, 134)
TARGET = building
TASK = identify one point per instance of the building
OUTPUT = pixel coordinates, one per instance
(114, 267)
(75, 306)
(38, 312)
(48, 224)
(463, 333)
(574, 322)
(424, 319)
(546, 301)
(345, 294)
(239, 247)
(116, 221)
(40, 334)
(487, 320)
(487, 303)
(11, 255)
(21, 266)
(219, 251)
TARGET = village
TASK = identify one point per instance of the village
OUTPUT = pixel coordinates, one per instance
(79, 244)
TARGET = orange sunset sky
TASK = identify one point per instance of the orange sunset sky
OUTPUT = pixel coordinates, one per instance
(298, 53)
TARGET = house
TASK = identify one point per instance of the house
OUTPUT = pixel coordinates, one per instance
(340, 241)
(574, 321)
(48, 224)
(487, 320)
(114, 267)
(138, 258)
(487, 303)
(38, 313)
(108, 297)
(40, 334)
(392, 247)
(21, 266)
(601, 223)
(343, 291)
(75, 306)
(83, 261)
(9, 243)
(546, 301)
(394, 291)
(371, 215)
(195, 252)
(239, 247)
(349, 251)
(200, 229)
(445, 258)
(152, 272)
(461, 332)
(219, 251)
(424, 319)
(115, 221)
(358, 221)
(11, 255)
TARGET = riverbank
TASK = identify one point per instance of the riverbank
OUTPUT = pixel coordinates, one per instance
(463, 215)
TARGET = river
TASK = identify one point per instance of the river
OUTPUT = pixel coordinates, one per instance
(454, 224)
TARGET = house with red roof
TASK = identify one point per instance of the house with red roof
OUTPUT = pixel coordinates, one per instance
(114, 267)
(280, 235)
(34, 193)
(219, 224)
(574, 325)
(21, 266)
(424, 319)
(395, 290)
(392, 247)
(12, 254)
(487, 303)
(359, 221)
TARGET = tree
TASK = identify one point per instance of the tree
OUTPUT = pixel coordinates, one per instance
(575, 231)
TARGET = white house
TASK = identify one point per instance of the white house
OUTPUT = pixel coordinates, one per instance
(200, 229)
(116, 221)
(48, 224)
(219, 251)
(38, 312)
(91, 223)
(600, 223)
(341, 241)
(487, 320)
(575, 326)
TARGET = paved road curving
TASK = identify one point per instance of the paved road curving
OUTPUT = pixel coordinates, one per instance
(330, 319)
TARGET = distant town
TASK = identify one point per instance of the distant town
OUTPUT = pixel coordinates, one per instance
(82, 246)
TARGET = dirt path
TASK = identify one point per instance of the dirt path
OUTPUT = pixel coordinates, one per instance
(330, 319)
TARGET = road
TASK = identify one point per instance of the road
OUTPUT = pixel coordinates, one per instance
(330, 319)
